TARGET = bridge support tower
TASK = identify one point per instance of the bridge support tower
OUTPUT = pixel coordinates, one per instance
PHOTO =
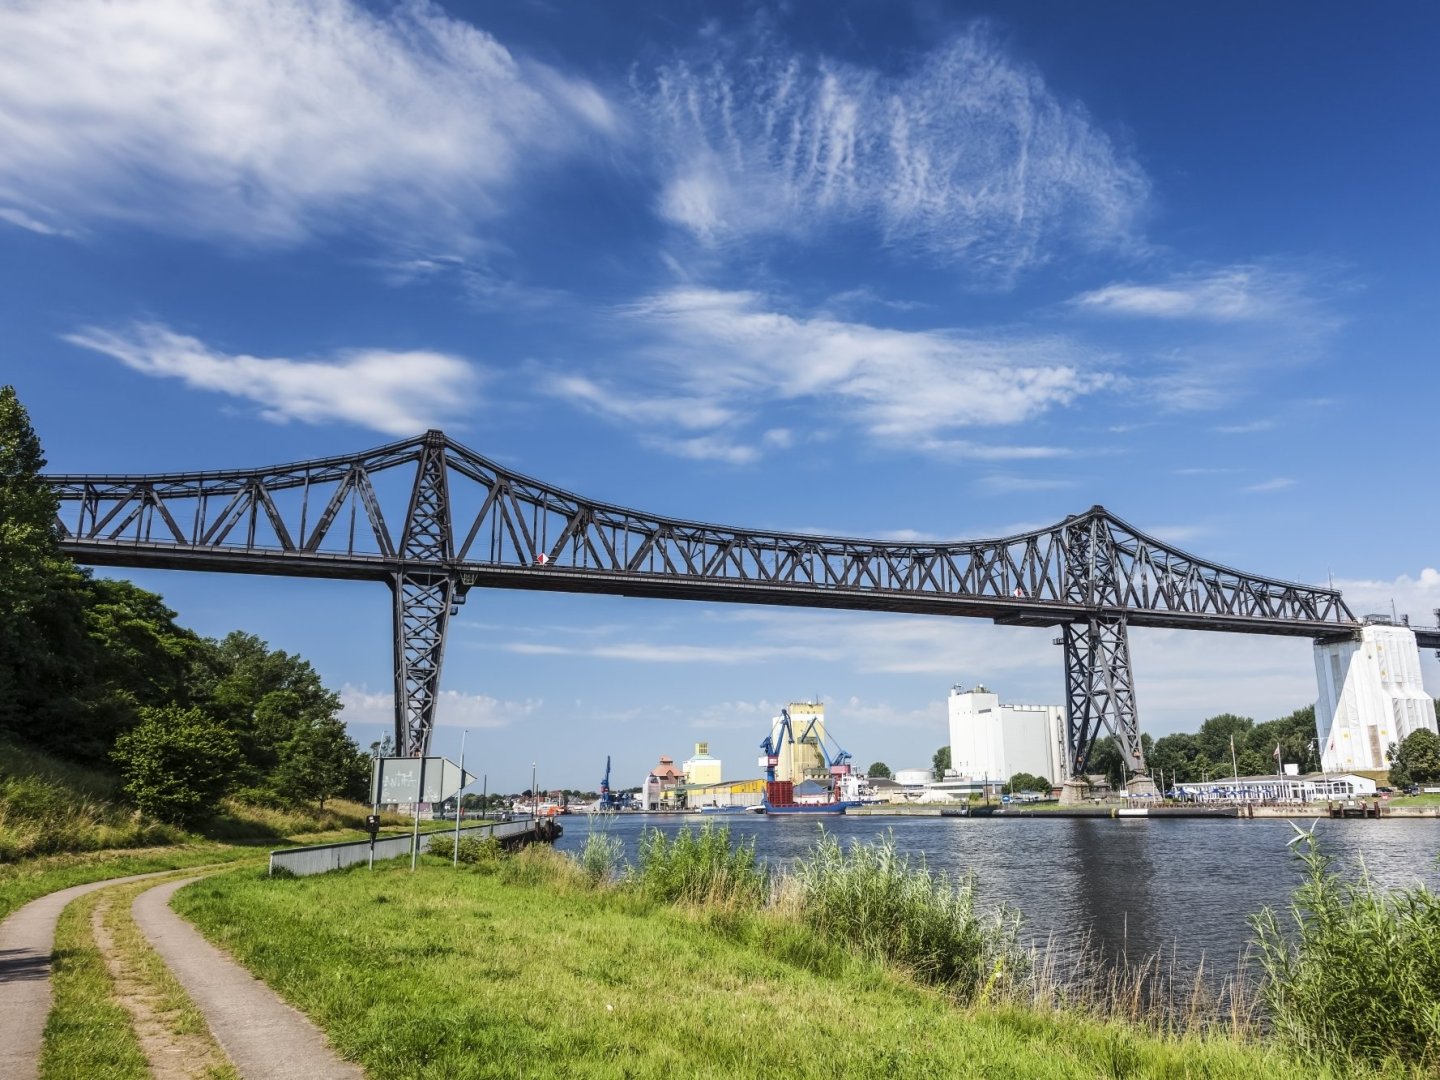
(1100, 696)
(426, 594)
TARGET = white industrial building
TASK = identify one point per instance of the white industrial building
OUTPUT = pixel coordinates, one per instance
(992, 741)
(1371, 696)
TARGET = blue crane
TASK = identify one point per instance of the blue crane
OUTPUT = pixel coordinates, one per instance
(606, 802)
(836, 764)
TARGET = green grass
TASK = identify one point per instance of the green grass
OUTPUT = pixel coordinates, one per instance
(49, 806)
(1432, 799)
(533, 972)
(25, 881)
(88, 1035)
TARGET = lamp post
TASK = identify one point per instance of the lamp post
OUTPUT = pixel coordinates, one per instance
(534, 795)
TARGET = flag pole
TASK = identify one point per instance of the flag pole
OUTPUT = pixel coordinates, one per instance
(459, 801)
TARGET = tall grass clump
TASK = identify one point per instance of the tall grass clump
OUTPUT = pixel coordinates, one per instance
(1353, 971)
(900, 912)
(42, 816)
(700, 867)
(602, 856)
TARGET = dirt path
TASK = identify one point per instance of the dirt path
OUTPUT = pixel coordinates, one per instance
(266, 1038)
(27, 938)
(172, 1052)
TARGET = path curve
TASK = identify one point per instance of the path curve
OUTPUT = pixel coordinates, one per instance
(265, 1038)
(27, 940)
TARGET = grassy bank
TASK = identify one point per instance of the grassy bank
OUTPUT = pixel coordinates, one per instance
(522, 967)
(49, 807)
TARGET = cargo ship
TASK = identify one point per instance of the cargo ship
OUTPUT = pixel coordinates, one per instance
(806, 751)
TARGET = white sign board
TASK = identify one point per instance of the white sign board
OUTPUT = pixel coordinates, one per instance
(416, 780)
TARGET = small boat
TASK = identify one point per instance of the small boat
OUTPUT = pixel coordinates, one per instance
(723, 809)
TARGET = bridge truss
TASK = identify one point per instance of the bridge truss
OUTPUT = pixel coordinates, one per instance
(433, 519)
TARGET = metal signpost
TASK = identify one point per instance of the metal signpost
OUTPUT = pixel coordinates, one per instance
(415, 781)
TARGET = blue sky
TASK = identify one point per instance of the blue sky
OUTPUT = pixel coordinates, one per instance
(928, 270)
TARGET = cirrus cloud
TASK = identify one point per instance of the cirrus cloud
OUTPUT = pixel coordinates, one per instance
(398, 393)
(968, 157)
(265, 121)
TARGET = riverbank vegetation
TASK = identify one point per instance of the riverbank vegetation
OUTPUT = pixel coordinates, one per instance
(522, 967)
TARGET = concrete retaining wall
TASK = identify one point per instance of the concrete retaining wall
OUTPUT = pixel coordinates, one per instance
(317, 859)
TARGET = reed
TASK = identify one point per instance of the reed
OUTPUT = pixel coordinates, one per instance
(894, 909)
(700, 867)
(1351, 971)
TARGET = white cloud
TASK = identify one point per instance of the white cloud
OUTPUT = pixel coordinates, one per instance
(1003, 484)
(645, 652)
(1248, 428)
(968, 156)
(1243, 322)
(20, 219)
(1178, 534)
(716, 359)
(452, 708)
(1417, 597)
(1235, 293)
(1279, 483)
(265, 121)
(398, 393)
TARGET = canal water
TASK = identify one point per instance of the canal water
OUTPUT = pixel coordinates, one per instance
(1136, 887)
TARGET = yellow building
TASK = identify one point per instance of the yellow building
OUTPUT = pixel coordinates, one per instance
(702, 769)
(727, 793)
(802, 758)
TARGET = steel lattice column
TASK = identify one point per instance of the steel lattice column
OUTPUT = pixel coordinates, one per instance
(423, 601)
(1100, 693)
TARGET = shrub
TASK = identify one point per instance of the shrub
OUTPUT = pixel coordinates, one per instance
(898, 912)
(700, 867)
(1356, 972)
(176, 764)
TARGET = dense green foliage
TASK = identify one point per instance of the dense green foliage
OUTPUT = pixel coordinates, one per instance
(1205, 755)
(1354, 972)
(1023, 781)
(89, 664)
(940, 763)
(1416, 760)
(880, 770)
(177, 764)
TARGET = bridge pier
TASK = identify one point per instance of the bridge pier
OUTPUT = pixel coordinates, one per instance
(1100, 694)
(424, 598)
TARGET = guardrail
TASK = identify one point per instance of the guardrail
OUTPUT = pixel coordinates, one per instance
(319, 858)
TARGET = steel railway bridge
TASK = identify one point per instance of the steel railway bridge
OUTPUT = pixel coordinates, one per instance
(432, 519)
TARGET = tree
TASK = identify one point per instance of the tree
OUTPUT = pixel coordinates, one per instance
(320, 761)
(44, 651)
(1416, 760)
(1215, 738)
(1105, 758)
(940, 763)
(266, 697)
(176, 764)
(1023, 781)
(879, 770)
